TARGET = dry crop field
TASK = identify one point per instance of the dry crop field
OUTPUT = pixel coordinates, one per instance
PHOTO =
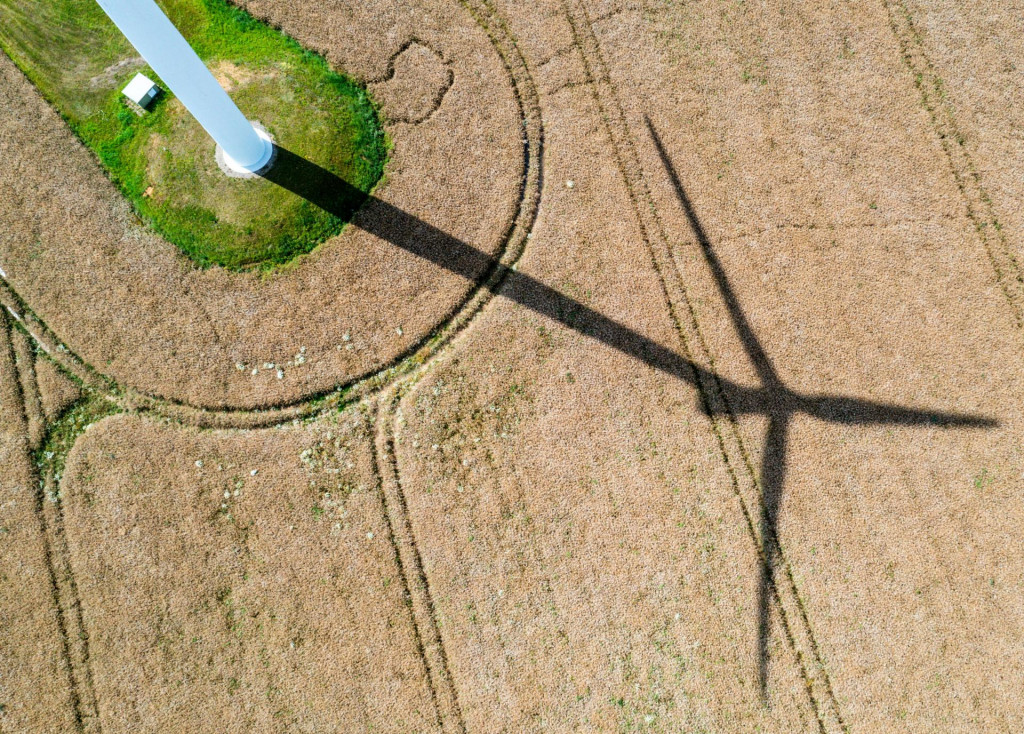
(671, 381)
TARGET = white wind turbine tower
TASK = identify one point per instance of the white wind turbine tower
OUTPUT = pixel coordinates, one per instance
(246, 150)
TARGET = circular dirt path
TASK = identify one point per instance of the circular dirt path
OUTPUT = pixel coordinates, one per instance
(137, 311)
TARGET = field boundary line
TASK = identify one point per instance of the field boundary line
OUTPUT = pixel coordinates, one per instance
(980, 208)
(792, 609)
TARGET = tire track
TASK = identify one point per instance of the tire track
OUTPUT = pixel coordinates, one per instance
(435, 103)
(405, 367)
(979, 204)
(415, 579)
(734, 452)
(70, 604)
(364, 387)
(373, 382)
(83, 713)
(736, 456)
(29, 388)
(48, 342)
(410, 565)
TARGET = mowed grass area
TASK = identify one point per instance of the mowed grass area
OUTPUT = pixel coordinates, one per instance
(164, 161)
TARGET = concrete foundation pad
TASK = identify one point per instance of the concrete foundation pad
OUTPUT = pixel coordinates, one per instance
(232, 169)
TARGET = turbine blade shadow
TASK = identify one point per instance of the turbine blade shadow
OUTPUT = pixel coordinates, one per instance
(772, 399)
(843, 409)
(752, 345)
(773, 474)
(846, 410)
(780, 403)
(404, 230)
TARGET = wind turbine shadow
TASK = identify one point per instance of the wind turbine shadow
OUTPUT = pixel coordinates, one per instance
(779, 404)
(772, 398)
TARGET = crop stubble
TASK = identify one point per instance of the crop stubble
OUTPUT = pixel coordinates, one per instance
(578, 539)
(34, 683)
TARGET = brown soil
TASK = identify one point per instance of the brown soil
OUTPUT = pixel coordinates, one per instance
(232, 76)
(736, 446)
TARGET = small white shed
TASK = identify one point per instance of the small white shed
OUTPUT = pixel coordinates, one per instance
(141, 90)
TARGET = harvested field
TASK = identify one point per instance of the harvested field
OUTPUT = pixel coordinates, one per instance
(246, 573)
(671, 381)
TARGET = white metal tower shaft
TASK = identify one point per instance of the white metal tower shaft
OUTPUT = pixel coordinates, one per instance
(177, 64)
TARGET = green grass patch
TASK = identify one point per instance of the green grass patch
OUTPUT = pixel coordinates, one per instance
(164, 162)
(61, 435)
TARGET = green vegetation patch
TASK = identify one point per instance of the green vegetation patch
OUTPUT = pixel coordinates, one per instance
(164, 162)
(61, 436)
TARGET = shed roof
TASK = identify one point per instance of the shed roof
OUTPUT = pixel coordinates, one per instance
(140, 89)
